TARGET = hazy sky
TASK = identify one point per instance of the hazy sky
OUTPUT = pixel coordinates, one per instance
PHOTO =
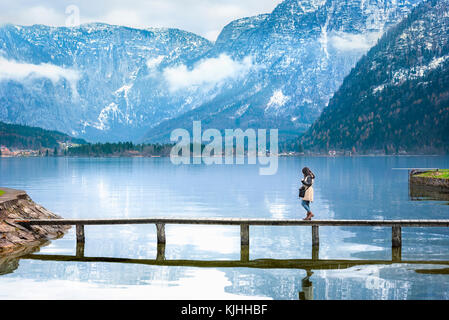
(204, 17)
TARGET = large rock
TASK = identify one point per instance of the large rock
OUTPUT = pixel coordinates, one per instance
(9, 261)
(16, 204)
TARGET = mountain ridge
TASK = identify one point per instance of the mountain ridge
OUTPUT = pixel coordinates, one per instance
(292, 93)
(112, 83)
(24, 137)
(396, 98)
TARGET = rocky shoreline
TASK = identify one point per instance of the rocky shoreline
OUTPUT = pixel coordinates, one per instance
(16, 204)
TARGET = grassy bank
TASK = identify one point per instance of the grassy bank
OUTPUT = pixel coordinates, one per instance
(440, 174)
(1, 192)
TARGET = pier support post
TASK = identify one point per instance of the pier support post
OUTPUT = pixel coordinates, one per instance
(160, 227)
(315, 253)
(315, 236)
(244, 253)
(396, 236)
(80, 238)
(396, 254)
(244, 235)
(160, 252)
(244, 242)
(79, 249)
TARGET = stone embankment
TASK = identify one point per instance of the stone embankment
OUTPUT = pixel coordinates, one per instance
(419, 177)
(16, 204)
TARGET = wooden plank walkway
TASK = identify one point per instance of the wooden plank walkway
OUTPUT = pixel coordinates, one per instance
(240, 221)
(395, 225)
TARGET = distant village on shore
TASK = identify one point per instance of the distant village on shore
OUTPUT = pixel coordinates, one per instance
(71, 149)
(42, 152)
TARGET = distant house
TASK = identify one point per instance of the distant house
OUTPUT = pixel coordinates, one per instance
(5, 152)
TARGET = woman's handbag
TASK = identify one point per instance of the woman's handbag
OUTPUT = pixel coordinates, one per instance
(302, 192)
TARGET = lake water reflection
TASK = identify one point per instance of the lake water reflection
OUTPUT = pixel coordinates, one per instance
(346, 188)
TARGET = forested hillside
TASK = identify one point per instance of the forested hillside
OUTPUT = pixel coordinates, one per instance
(396, 99)
(24, 137)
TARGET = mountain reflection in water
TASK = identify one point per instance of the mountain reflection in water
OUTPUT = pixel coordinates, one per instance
(10, 263)
(203, 262)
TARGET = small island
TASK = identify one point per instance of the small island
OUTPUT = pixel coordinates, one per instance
(436, 178)
(437, 174)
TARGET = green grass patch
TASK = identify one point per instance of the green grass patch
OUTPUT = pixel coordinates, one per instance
(440, 174)
(2, 192)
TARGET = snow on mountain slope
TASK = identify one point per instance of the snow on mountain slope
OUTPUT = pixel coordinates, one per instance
(396, 99)
(109, 83)
(97, 81)
(303, 49)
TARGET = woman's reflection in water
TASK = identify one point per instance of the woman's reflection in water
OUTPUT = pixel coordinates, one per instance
(307, 287)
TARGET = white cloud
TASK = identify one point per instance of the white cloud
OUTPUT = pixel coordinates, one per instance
(212, 35)
(17, 71)
(347, 41)
(154, 62)
(40, 15)
(124, 17)
(207, 72)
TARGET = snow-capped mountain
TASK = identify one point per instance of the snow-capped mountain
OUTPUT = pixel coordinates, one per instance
(300, 54)
(396, 99)
(108, 83)
(96, 81)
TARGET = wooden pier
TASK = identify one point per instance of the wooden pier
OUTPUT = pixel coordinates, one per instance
(244, 224)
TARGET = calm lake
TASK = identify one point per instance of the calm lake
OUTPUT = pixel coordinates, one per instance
(345, 188)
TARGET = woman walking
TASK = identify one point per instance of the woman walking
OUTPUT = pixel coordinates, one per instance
(306, 191)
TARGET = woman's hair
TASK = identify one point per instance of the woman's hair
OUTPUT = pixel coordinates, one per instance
(307, 172)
